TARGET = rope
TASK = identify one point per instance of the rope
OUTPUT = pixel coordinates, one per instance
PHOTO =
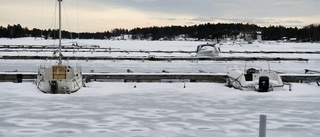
(78, 18)
(54, 21)
(76, 82)
(41, 27)
(41, 20)
(65, 12)
(237, 80)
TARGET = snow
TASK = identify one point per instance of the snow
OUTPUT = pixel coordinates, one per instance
(158, 109)
(115, 109)
(158, 66)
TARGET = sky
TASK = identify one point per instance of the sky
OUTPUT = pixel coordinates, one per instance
(105, 15)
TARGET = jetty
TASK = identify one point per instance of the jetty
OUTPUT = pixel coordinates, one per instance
(19, 77)
(155, 58)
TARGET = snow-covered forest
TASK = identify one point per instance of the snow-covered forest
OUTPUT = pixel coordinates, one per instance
(208, 31)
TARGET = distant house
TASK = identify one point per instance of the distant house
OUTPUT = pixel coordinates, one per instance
(259, 36)
(249, 36)
(293, 39)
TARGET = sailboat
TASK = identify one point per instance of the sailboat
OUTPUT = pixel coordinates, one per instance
(59, 78)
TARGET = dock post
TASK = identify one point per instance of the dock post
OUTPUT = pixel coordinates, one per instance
(290, 87)
(262, 126)
(19, 78)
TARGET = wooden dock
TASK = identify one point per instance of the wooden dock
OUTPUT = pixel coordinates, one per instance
(155, 58)
(96, 48)
(19, 77)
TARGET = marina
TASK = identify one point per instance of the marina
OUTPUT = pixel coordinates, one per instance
(150, 68)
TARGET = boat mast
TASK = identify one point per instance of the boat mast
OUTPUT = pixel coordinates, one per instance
(60, 55)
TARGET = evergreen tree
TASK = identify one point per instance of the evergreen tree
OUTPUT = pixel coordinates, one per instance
(201, 31)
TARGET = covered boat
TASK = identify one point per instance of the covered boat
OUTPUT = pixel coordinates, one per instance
(254, 79)
(207, 50)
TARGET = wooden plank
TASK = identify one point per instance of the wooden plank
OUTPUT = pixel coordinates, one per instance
(59, 72)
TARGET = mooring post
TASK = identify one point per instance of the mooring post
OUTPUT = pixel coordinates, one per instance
(290, 87)
(19, 78)
(262, 126)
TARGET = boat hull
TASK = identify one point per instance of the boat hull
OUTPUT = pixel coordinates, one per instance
(59, 79)
(63, 86)
(207, 53)
(241, 80)
(207, 50)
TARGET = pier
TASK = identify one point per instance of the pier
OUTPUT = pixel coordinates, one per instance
(155, 58)
(19, 77)
(97, 48)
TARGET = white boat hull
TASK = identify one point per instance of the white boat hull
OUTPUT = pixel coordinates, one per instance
(64, 86)
(53, 81)
(207, 53)
(207, 50)
(255, 86)
(241, 80)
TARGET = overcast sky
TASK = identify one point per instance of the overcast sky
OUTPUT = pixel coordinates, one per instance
(103, 15)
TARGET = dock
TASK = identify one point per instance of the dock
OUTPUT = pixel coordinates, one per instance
(97, 48)
(155, 58)
(19, 77)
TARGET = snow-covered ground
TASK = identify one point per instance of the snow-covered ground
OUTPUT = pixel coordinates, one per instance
(174, 66)
(158, 110)
(161, 109)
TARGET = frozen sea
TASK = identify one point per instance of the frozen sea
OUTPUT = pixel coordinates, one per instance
(158, 110)
(161, 109)
(159, 66)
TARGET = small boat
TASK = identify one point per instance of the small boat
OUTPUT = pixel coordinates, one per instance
(207, 50)
(254, 79)
(59, 78)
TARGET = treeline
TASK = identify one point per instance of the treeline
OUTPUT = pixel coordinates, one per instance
(308, 33)
(202, 31)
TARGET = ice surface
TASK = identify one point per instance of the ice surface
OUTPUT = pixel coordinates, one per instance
(157, 110)
(161, 109)
(159, 66)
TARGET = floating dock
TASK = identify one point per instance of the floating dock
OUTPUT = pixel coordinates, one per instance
(18, 77)
(97, 48)
(155, 58)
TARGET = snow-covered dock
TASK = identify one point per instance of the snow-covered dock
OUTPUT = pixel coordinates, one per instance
(155, 77)
(96, 48)
(157, 58)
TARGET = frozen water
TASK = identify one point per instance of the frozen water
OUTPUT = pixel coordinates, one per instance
(161, 109)
(158, 66)
(158, 109)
